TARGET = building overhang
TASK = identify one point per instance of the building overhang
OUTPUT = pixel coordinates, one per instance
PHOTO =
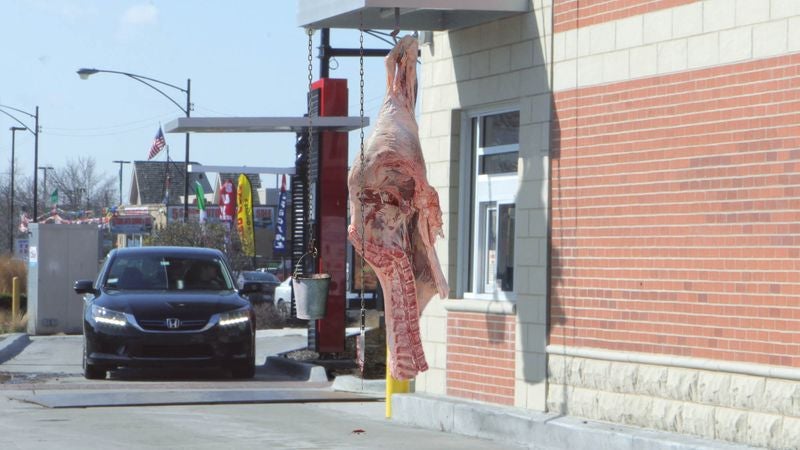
(242, 169)
(263, 124)
(421, 15)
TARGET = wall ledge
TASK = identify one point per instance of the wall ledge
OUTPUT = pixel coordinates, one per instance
(500, 307)
(759, 370)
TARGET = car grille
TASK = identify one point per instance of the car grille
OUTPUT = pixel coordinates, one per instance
(161, 324)
(173, 351)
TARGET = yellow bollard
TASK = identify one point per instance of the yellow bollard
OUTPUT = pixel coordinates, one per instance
(393, 386)
(14, 298)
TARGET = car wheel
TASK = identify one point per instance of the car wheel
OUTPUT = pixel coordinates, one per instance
(92, 371)
(244, 370)
(284, 310)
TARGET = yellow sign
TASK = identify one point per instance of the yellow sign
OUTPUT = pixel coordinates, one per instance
(244, 215)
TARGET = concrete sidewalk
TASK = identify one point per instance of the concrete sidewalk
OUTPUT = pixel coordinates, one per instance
(536, 430)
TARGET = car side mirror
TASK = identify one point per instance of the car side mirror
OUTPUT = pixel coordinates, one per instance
(84, 287)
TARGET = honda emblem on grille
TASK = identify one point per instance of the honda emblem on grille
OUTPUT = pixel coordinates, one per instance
(173, 323)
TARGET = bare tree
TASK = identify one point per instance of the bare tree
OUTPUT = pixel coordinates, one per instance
(80, 186)
(6, 220)
(9, 220)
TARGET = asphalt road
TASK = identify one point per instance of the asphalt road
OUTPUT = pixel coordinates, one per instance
(45, 403)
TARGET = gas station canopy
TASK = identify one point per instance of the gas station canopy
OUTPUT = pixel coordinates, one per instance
(421, 15)
(262, 124)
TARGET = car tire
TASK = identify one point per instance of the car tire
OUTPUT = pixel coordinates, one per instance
(244, 370)
(93, 371)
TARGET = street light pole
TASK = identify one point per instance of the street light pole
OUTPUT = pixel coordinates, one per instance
(186, 167)
(120, 177)
(11, 199)
(35, 133)
(36, 172)
(44, 179)
(85, 73)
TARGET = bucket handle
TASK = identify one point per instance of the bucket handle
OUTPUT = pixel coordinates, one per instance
(297, 266)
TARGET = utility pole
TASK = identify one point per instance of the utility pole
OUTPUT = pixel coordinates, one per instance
(120, 178)
(44, 180)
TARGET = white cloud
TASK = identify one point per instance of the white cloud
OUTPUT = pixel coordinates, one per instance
(139, 15)
(134, 20)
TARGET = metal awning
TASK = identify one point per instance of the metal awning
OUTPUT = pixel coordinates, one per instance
(421, 15)
(262, 124)
(241, 169)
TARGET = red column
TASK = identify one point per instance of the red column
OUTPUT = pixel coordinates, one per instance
(332, 214)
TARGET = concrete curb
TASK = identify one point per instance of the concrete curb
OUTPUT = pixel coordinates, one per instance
(12, 345)
(350, 383)
(545, 431)
(297, 369)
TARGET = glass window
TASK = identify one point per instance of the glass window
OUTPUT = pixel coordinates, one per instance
(498, 163)
(494, 184)
(500, 129)
(505, 248)
(490, 246)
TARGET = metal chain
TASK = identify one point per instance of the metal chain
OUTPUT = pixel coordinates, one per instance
(362, 181)
(362, 339)
(311, 239)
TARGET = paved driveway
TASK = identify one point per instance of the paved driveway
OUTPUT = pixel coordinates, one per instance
(47, 403)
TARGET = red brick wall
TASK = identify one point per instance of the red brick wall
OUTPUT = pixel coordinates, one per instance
(676, 214)
(570, 14)
(480, 357)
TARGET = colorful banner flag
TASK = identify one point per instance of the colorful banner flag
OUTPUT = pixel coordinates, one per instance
(158, 144)
(227, 203)
(24, 220)
(201, 200)
(54, 201)
(279, 243)
(244, 215)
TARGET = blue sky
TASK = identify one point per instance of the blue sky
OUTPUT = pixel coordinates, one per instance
(244, 58)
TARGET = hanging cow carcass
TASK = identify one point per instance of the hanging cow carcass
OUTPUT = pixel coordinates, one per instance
(395, 214)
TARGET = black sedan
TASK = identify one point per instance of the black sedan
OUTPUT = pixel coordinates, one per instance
(166, 307)
(267, 282)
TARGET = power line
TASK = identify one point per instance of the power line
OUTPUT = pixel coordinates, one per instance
(121, 125)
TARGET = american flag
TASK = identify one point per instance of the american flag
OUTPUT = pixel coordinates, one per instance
(158, 144)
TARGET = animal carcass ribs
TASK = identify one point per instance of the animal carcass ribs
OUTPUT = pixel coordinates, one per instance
(401, 214)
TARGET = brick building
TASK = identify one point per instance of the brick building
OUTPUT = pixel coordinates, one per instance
(621, 187)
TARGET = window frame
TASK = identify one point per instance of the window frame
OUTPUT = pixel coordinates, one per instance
(469, 265)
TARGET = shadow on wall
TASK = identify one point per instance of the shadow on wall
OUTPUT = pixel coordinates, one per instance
(561, 240)
(525, 84)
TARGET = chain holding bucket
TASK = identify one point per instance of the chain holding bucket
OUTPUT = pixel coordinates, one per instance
(310, 292)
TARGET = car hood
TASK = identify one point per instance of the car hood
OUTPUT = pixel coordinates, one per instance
(165, 303)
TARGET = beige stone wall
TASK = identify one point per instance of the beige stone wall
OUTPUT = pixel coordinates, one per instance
(755, 410)
(502, 63)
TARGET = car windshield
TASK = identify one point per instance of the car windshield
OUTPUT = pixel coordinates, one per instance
(154, 272)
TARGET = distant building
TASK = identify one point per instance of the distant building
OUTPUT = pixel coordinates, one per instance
(161, 182)
(157, 189)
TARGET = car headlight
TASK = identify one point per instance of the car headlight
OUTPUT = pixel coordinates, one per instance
(234, 318)
(107, 316)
